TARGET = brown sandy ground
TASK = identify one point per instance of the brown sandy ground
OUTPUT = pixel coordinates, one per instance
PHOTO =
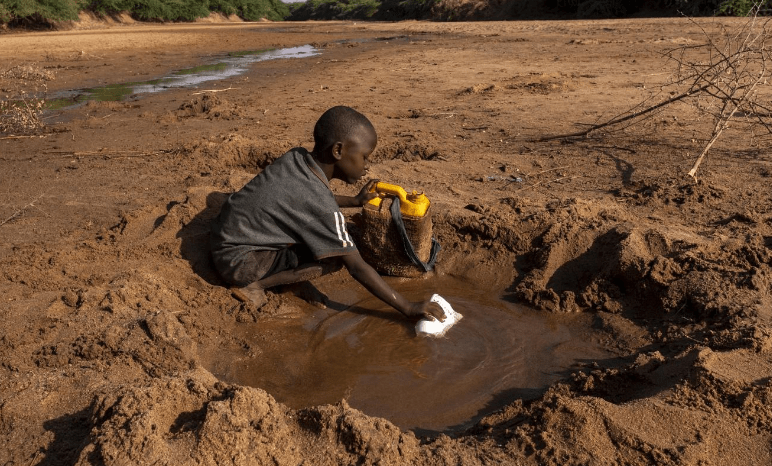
(110, 308)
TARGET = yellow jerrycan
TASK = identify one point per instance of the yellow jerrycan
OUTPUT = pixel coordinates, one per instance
(414, 204)
(396, 232)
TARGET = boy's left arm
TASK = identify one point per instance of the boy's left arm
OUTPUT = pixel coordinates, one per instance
(360, 199)
(369, 278)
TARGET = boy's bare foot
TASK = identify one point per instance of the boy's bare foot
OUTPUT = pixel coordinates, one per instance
(310, 294)
(252, 293)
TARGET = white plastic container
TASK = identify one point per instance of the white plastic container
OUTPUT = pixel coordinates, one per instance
(433, 327)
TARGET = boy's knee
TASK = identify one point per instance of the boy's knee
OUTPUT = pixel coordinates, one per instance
(331, 264)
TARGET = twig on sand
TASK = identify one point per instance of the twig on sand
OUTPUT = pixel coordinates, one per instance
(21, 211)
(83, 53)
(445, 114)
(35, 458)
(108, 154)
(22, 137)
(547, 170)
(215, 90)
(625, 117)
(552, 181)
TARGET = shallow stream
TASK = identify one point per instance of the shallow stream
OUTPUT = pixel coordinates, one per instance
(232, 64)
(371, 356)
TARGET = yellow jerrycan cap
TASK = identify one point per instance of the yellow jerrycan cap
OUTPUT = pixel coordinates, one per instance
(413, 204)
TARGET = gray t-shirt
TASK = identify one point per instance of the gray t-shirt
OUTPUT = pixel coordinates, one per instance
(290, 202)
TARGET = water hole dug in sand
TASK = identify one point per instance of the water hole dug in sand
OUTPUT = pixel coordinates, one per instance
(360, 350)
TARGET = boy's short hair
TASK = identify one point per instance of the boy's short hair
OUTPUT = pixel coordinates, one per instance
(337, 125)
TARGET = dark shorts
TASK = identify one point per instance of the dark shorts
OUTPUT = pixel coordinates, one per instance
(261, 264)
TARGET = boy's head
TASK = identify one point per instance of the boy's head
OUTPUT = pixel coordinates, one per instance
(343, 138)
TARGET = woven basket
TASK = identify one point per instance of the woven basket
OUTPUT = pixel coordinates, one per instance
(381, 246)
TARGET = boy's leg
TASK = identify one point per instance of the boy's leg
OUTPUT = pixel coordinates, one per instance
(256, 265)
(255, 291)
(278, 275)
(300, 277)
(301, 273)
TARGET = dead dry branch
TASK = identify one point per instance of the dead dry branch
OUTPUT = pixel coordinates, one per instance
(19, 212)
(20, 137)
(215, 90)
(106, 153)
(720, 77)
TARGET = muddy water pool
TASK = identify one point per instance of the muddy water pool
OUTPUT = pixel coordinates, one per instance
(362, 350)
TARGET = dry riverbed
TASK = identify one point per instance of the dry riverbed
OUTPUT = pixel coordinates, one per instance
(113, 321)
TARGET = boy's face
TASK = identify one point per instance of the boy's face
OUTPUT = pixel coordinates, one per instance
(351, 167)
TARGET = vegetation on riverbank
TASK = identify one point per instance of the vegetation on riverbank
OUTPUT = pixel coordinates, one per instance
(366, 9)
(458, 10)
(47, 13)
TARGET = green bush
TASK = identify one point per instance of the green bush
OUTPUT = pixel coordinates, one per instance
(187, 10)
(39, 10)
(740, 7)
(618, 8)
(718, 7)
(252, 10)
(334, 9)
(5, 14)
(223, 6)
(150, 10)
(155, 10)
(405, 9)
(46, 11)
(109, 6)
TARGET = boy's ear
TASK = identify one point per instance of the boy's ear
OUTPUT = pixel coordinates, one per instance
(337, 150)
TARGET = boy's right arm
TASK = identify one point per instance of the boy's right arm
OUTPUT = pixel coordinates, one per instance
(369, 278)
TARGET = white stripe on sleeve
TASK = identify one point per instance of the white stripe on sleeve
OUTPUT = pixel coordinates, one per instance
(345, 231)
(340, 226)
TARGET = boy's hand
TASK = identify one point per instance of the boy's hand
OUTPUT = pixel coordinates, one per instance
(360, 199)
(365, 194)
(426, 310)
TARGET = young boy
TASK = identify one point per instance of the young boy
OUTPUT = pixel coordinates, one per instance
(285, 226)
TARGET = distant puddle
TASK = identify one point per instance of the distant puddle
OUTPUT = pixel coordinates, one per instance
(233, 64)
(369, 355)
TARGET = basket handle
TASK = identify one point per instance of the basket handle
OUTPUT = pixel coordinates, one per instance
(393, 189)
(396, 217)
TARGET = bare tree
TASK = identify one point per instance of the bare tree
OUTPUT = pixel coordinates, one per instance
(720, 77)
